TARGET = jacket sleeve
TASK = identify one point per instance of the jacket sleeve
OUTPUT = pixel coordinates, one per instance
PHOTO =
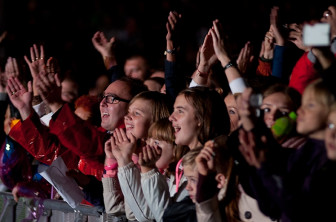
(130, 182)
(208, 211)
(82, 138)
(303, 73)
(156, 192)
(113, 197)
(35, 137)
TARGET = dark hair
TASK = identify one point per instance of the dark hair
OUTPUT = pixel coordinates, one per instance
(136, 86)
(210, 110)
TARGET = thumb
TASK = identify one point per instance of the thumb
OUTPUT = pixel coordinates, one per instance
(30, 88)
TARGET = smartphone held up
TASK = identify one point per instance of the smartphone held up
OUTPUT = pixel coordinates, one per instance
(316, 35)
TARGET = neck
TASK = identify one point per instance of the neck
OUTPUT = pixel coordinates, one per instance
(318, 135)
(195, 144)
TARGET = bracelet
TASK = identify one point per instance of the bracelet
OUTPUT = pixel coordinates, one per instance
(169, 51)
(111, 167)
(228, 65)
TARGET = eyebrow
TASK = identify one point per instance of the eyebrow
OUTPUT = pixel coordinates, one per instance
(180, 107)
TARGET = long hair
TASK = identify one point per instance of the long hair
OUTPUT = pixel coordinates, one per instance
(210, 111)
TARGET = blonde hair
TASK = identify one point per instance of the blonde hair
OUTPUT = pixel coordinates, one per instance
(159, 103)
(189, 158)
(162, 129)
(321, 92)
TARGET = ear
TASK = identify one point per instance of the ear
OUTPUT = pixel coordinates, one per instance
(220, 178)
(219, 90)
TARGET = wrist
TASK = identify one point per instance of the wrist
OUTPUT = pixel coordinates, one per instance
(124, 162)
(25, 113)
(228, 65)
(55, 106)
(145, 169)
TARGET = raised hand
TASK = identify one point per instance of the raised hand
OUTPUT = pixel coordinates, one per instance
(218, 43)
(20, 96)
(295, 36)
(36, 63)
(173, 34)
(148, 157)
(102, 45)
(172, 26)
(205, 160)
(207, 54)
(11, 68)
(49, 88)
(123, 146)
(245, 58)
(274, 21)
(253, 156)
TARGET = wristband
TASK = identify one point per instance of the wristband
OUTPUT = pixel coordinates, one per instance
(228, 65)
(169, 51)
(111, 167)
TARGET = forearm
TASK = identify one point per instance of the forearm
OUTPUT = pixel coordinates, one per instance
(130, 182)
(156, 192)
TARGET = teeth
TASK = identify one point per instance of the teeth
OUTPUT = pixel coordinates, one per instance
(105, 114)
(176, 128)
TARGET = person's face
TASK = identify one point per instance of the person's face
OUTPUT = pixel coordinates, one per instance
(275, 106)
(231, 106)
(166, 152)
(312, 116)
(330, 136)
(112, 115)
(191, 174)
(135, 68)
(185, 123)
(139, 118)
(69, 91)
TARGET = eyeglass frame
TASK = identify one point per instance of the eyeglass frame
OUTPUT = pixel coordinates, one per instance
(114, 98)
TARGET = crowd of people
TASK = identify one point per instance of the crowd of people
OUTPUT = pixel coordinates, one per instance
(246, 137)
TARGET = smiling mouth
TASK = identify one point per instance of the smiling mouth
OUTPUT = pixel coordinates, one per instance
(104, 115)
(177, 129)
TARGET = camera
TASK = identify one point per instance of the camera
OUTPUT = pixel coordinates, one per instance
(255, 102)
(316, 35)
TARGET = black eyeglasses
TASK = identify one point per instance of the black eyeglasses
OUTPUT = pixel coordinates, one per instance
(113, 99)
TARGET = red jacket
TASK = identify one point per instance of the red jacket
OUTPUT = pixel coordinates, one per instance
(80, 144)
(303, 73)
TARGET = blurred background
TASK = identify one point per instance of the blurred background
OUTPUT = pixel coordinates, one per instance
(65, 28)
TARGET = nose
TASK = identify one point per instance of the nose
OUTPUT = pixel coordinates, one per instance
(128, 116)
(171, 117)
(103, 102)
(188, 187)
(299, 111)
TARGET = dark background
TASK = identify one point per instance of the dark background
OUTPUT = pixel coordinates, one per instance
(66, 27)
